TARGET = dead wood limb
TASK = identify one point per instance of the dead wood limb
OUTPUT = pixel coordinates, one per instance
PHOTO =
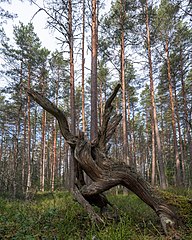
(113, 95)
(104, 172)
(94, 216)
(112, 126)
(103, 136)
(56, 112)
(108, 175)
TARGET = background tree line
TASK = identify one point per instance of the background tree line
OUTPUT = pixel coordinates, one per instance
(145, 45)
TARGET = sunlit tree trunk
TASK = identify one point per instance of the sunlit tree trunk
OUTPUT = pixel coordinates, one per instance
(34, 171)
(49, 150)
(125, 139)
(186, 118)
(180, 134)
(178, 170)
(53, 169)
(94, 43)
(29, 134)
(149, 163)
(72, 83)
(83, 69)
(153, 106)
(55, 135)
(153, 160)
(134, 137)
(24, 155)
(130, 141)
(15, 155)
(60, 161)
(43, 147)
(23, 142)
(66, 171)
(73, 163)
(43, 140)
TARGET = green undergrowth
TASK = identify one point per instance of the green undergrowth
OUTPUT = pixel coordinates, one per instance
(58, 216)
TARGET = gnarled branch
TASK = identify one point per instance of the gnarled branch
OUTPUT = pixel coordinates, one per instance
(104, 171)
(56, 112)
(106, 132)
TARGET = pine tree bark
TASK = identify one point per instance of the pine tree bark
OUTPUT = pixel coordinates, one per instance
(125, 139)
(187, 126)
(54, 163)
(178, 169)
(180, 135)
(24, 155)
(15, 154)
(43, 137)
(162, 176)
(129, 131)
(72, 82)
(83, 69)
(73, 163)
(29, 135)
(153, 163)
(60, 164)
(43, 141)
(94, 43)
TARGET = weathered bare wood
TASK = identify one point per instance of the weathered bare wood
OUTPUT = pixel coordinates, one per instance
(103, 136)
(56, 112)
(78, 196)
(104, 171)
(109, 175)
(112, 126)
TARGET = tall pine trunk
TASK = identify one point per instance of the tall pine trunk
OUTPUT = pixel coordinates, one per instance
(180, 136)
(43, 147)
(24, 150)
(153, 163)
(162, 176)
(72, 82)
(130, 140)
(187, 126)
(43, 141)
(29, 135)
(73, 163)
(124, 113)
(54, 162)
(178, 170)
(83, 70)
(94, 44)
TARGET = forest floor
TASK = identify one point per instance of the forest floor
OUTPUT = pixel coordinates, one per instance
(58, 216)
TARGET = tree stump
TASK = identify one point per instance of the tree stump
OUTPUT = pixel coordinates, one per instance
(105, 172)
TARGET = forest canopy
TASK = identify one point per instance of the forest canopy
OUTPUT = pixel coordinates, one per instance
(146, 46)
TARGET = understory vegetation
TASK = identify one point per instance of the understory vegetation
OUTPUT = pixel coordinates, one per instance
(58, 216)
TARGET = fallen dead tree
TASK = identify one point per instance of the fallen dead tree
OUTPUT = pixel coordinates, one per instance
(92, 158)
